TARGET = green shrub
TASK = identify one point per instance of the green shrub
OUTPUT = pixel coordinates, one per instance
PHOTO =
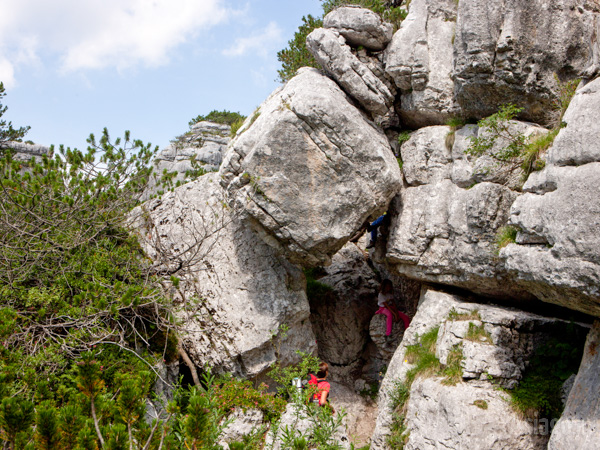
(223, 117)
(506, 235)
(538, 392)
(296, 55)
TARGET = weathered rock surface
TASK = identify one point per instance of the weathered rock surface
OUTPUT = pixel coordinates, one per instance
(234, 292)
(558, 259)
(419, 59)
(360, 26)
(336, 58)
(578, 143)
(426, 159)
(360, 412)
(444, 234)
(509, 51)
(442, 416)
(206, 143)
(446, 416)
(579, 425)
(309, 169)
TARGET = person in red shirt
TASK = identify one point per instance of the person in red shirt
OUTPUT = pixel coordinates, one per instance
(323, 387)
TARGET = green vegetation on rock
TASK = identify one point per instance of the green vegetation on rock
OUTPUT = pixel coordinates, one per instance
(223, 117)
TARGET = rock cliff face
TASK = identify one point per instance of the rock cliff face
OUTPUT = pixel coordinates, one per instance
(314, 163)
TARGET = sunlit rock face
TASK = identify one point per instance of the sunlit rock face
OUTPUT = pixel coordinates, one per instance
(308, 169)
(557, 253)
(512, 51)
(241, 306)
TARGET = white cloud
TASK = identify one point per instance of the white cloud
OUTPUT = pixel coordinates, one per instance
(261, 42)
(93, 34)
(7, 73)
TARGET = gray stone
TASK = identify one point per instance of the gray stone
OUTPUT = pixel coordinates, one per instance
(441, 416)
(444, 234)
(335, 57)
(561, 263)
(309, 169)
(235, 293)
(426, 159)
(447, 416)
(419, 59)
(508, 52)
(468, 170)
(579, 425)
(360, 26)
(578, 142)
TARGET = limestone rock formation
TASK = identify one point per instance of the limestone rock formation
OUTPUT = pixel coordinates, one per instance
(349, 72)
(509, 52)
(579, 425)
(309, 169)
(468, 415)
(557, 257)
(386, 345)
(235, 293)
(360, 27)
(206, 143)
(419, 59)
(445, 415)
(445, 234)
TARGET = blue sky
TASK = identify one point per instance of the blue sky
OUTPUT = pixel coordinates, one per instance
(73, 67)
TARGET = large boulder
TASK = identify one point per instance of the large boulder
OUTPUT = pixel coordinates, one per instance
(419, 59)
(557, 254)
(360, 27)
(496, 345)
(241, 306)
(509, 52)
(336, 58)
(579, 425)
(308, 168)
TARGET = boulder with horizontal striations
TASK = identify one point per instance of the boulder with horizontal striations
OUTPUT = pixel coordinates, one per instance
(308, 169)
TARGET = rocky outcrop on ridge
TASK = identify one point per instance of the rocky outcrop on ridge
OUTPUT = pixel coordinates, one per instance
(441, 414)
(357, 80)
(557, 255)
(205, 144)
(23, 152)
(235, 292)
(309, 169)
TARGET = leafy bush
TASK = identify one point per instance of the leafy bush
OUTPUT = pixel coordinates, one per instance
(223, 117)
(538, 392)
(296, 55)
